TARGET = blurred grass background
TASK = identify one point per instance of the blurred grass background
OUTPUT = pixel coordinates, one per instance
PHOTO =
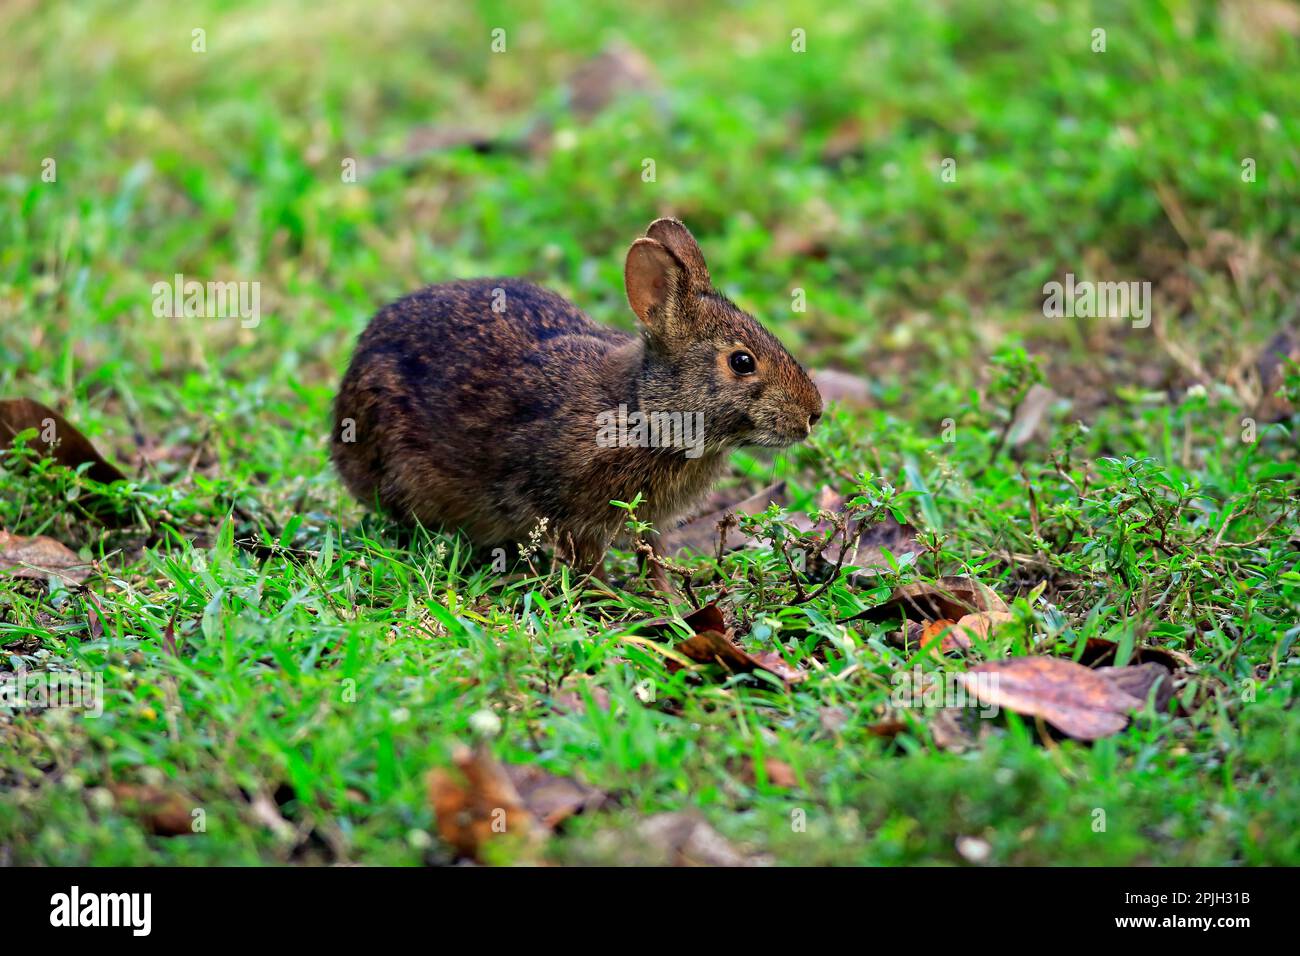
(817, 170)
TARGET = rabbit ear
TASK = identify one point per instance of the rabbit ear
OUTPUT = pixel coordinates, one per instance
(678, 239)
(654, 278)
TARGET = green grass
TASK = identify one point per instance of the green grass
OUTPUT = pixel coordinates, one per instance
(329, 661)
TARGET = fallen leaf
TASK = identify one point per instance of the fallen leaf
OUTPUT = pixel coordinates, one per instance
(700, 535)
(480, 800)
(1260, 24)
(1270, 367)
(865, 551)
(976, 626)
(954, 635)
(163, 812)
(551, 799)
(69, 448)
(432, 139)
(844, 142)
(476, 802)
(842, 388)
(616, 71)
(811, 231)
(868, 552)
(25, 645)
(949, 597)
(948, 726)
(267, 813)
(570, 699)
(1072, 698)
(1029, 414)
(94, 615)
(832, 719)
(777, 772)
(1100, 650)
(1138, 680)
(957, 593)
(714, 647)
(933, 630)
(40, 557)
(774, 663)
(685, 839)
(714, 643)
(888, 728)
(706, 618)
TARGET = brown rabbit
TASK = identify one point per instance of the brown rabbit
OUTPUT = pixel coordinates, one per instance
(488, 405)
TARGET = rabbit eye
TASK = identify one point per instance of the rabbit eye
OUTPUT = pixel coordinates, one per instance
(742, 363)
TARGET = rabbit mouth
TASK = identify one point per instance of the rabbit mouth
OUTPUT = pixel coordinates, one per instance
(771, 440)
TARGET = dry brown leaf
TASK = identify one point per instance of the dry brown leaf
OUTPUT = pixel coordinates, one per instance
(774, 663)
(702, 619)
(978, 625)
(433, 139)
(480, 800)
(266, 812)
(1270, 368)
(94, 616)
(950, 597)
(845, 141)
(685, 839)
(949, 729)
(812, 231)
(955, 635)
(933, 630)
(570, 699)
(777, 772)
(842, 388)
(70, 447)
(1099, 650)
(700, 535)
(1259, 24)
(706, 618)
(163, 812)
(476, 802)
(867, 554)
(552, 799)
(833, 719)
(40, 557)
(780, 773)
(1137, 682)
(618, 70)
(1029, 414)
(715, 647)
(25, 645)
(714, 643)
(1070, 697)
(866, 551)
(429, 139)
(888, 728)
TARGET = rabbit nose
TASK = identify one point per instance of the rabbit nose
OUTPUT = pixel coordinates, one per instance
(814, 418)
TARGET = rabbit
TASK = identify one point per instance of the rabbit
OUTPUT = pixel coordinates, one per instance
(498, 408)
